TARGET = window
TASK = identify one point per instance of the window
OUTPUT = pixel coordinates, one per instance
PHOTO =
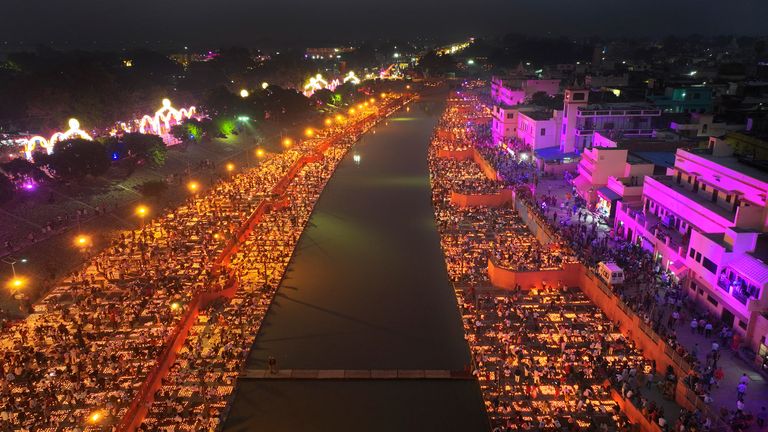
(698, 257)
(743, 325)
(543, 131)
(712, 300)
(692, 252)
(578, 96)
(709, 265)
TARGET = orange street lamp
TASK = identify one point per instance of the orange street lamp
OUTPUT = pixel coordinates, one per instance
(309, 132)
(287, 142)
(82, 241)
(16, 283)
(339, 118)
(351, 110)
(142, 211)
(328, 122)
(260, 153)
(230, 167)
(372, 100)
(193, 186)
(95, 417)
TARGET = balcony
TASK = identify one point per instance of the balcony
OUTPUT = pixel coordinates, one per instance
(650, 226)
(700, 211)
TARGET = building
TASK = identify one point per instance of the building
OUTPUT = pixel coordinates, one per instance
(597, 81)
(515, 91)
(606, 161)
(690, 99)
(537, 129)
(504, 123)
(703, 125)
(748, 146)
(581, 120)
(706, 222)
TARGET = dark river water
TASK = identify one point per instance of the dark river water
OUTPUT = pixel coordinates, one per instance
(367, 289)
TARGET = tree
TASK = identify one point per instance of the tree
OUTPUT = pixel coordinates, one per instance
(77, 158)
(145, 147)
(21, 168)
(7, 189)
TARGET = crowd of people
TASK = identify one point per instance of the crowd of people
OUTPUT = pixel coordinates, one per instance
(78, 361)
(547, 358)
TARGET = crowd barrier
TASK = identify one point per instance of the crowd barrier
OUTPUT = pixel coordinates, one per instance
(498, 199)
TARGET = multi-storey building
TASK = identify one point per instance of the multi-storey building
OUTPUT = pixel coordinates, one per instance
(690, 99)
(537, 129)
(706, 222)
(514, 91)
(581, 120)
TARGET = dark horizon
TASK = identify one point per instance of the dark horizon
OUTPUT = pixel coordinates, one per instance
(117, 24)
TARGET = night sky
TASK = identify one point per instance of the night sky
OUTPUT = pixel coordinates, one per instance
(248, 22)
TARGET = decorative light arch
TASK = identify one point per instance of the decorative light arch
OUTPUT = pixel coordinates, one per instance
(314, 84)
(161, 122)
(74, 131)
(351, 77)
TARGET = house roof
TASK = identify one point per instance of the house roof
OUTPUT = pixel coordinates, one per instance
(752, 268)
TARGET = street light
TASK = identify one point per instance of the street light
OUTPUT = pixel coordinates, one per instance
(309, 132)
(95, 417)
(142, 211)
(230, 167)
(260, 153)
(82, 241)
(193, 186)
(244, 93)
(287, 142)
(351, 110)
(16, 283)
(328, 122)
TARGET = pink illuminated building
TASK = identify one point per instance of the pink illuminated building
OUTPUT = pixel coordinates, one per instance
(706, 221)
(582, 120)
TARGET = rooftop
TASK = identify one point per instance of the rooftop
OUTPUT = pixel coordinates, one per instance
(619, 106)
(664, 159)
(757, 170)
(537, 115)
(670, 182)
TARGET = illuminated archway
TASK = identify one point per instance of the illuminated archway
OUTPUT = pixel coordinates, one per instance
(162, 121)
(74, 131)
(351, 77)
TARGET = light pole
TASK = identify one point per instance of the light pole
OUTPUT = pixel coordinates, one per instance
(142, 212)
(12, 261)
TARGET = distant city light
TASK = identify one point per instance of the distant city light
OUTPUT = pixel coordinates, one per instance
(244, 93)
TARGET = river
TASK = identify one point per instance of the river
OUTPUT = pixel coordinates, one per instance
(367, 289)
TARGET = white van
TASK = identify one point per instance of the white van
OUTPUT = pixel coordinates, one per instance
(610, 273)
